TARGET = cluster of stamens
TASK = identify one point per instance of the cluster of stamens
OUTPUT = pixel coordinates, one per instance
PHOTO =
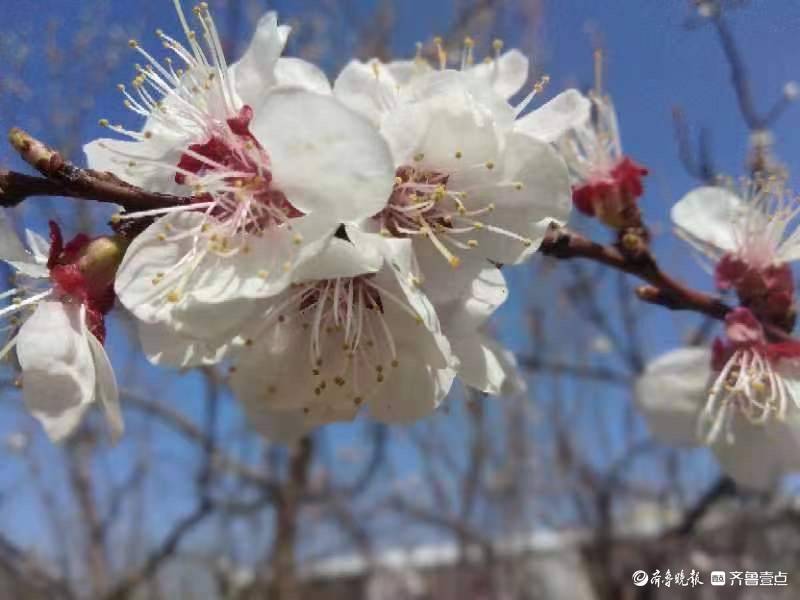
(749, 386)
(422, 204)
(350, 343)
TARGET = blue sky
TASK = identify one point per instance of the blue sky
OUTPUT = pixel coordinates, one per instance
(653, 64)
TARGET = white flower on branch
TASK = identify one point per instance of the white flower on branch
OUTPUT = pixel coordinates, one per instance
(750, 239)
(741, 397)
(355, 332)
(606, 183)
(468, 184)
(61, 296)
(274, 164)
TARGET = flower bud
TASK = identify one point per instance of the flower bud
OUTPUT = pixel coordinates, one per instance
(100, 258)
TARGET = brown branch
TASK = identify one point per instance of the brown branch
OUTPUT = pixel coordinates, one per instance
(62, 178)
(283, 585)
(663, 289)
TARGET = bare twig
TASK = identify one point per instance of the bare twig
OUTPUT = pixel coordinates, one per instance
(663, 289)
(62, 178)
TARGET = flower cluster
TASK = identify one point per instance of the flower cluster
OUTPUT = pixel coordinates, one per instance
(742, 395)
(341, 243)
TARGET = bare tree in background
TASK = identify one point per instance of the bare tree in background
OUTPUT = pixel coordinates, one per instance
(194, 505)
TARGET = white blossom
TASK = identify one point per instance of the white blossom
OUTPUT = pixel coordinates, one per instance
(273, 161)
(742, 399)
(64, 367)
(467, 182)
(362, 336)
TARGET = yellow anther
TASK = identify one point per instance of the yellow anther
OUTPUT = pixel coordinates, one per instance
(161, 237)
(103, 123)
(133, 43)
(469, 42)
(454, 261)
(489, 165)
(477, 225)
(398, 180)
(527, 243)
(287, 266)
(459, 154)
(263, 274)
(472, 243)
(116, 218)
(419, 156)
(297, 239)
(497, 45)
(174, 296)
(518, 186)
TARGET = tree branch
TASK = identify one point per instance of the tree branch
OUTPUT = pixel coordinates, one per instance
(663, 289)
(62, 178)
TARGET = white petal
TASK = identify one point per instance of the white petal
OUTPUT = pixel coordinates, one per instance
(115, 157)
(706, 216)
(413, 390)
(759, 455)
(342, 258)
(11, 248)
(324, 156)
(14, 253)
(164, 346)
(300, 73)
(480, 366)
(57, 367)
(358, 87)
(531, 192)
(276, 374)
(505, 76)
(481, 296)
(443, 133)
(404, 71)
(672, 392)
(40, 247)
(254, 72)
(568, 110)
(106, 387)
(440, 281)
(514, 383)
(154, 267)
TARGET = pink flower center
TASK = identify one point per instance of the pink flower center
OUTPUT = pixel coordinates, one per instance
(72, 285)
(767, 291)
(612, 197)
(422, 204)
(237, 151)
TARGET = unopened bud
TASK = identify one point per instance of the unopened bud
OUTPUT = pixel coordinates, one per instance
(101, 257)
